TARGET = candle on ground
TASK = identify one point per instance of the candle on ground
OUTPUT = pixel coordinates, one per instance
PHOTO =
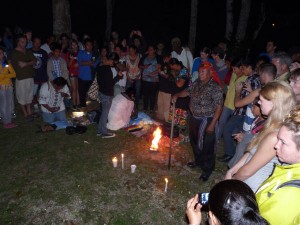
(166, 187)
(122, 161)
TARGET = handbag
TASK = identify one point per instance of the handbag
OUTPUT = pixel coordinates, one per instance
(93, 92)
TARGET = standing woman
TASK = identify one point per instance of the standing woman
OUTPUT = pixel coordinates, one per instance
(74, 71)
(134, 72)
(150, 65)
(6, 90)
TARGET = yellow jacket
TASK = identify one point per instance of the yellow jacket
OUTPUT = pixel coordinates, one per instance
(6, 73)
(278, 201)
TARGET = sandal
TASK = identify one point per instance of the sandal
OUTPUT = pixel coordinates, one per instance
(10, 125)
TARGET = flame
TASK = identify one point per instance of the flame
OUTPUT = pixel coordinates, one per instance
(166, 179)
(157, 135)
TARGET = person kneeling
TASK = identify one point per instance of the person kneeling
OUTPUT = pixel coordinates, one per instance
(121, 110)
(51, 98)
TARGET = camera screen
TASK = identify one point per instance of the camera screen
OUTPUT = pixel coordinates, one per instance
(203, 198)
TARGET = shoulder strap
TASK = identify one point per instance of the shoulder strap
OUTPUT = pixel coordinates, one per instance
(291, 183)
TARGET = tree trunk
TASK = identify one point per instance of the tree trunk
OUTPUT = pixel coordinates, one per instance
(262, 20)
(61, 17)
(193, 25)
(109, 18)
(243, 20)
(229, 20)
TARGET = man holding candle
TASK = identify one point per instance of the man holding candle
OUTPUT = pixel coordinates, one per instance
(107, 76)
(205, 109)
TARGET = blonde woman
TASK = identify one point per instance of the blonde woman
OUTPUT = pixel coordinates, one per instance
(276, 101)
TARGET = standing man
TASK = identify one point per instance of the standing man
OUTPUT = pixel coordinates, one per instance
(206, 107)
(107, 77)
(40, 68)
(23, 61)
(184, 55)
(85, 76)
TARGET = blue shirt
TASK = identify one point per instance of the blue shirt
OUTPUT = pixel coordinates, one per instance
(85, 72)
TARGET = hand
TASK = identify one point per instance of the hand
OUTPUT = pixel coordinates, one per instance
(22, 64)
(210, 129)
(247, 87)
(238, 137)
(120, 74)
(53, 109)
(294, 66)
(194, 215)
(174, 99)
(239, 86)
(228, 175)
(64, 95)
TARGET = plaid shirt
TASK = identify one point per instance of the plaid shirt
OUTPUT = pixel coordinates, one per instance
(57, 69)
(255, 83)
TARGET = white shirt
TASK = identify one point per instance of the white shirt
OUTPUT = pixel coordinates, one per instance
(185, 57)
(49, 96)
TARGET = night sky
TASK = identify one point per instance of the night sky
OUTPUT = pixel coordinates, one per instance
(157, 19)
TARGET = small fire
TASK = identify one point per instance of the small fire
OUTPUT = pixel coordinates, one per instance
(157, 135)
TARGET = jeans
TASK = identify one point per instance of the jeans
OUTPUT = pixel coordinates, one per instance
(137, 86)
(204, 158)
(234, 125)
(83, 87)
(6, 102)
(52, 117)
(226, 113)
(106, 104)
(150, 90)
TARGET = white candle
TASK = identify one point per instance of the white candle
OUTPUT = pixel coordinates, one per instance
(166, 187)
(122, 161)
(115, 161)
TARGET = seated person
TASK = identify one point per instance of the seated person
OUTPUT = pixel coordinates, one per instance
(279, 196)
(257, 164)
(51, 98)
(245, 138)
(121, 110)
(229, 202)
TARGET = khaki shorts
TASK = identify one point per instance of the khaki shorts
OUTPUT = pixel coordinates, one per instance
(24, 91)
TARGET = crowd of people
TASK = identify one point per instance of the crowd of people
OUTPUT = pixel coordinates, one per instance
(250, 105)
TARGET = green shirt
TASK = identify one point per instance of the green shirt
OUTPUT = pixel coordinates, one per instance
(229, 101)
(27, 71)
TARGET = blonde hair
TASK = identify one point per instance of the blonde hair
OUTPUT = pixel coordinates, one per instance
(282, 97)
(292, 123)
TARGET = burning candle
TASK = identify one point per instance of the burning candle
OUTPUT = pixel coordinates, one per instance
(166, 187)
(122, 161)
(115, 161)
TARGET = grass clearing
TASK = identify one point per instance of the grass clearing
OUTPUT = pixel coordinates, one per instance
(54, 178)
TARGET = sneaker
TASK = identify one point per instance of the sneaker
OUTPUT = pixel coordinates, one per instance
(108, 135)
(99, 134)
(10, 125)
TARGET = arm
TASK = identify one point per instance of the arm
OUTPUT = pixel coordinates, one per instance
(211, 126)
(264, 153)
(180, 82)
(49, 70)
(236, 167)
(238, 102)
(182, 94)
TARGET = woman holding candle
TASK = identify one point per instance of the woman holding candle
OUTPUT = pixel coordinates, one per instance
(6, 90)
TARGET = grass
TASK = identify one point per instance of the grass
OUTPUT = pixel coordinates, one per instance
(55, 178)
